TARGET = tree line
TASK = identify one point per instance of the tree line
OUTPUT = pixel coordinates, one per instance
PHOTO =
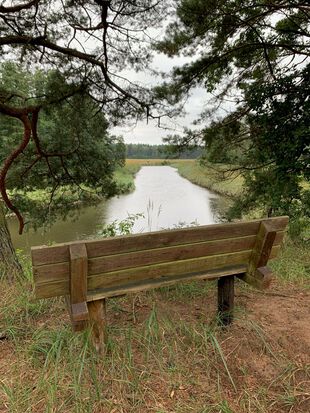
(146, 151)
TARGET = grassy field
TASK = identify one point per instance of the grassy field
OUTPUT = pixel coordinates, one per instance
(166, 352)
(211, 178)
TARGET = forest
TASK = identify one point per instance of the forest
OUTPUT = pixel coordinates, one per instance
(146, 151)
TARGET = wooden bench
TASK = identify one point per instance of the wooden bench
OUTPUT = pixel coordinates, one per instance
(88, 272)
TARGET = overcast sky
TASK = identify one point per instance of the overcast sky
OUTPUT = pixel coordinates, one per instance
(150, 133)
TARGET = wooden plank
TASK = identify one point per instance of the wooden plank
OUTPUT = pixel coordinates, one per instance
(78, 324)
(59, 271)
(52, 272)
(262, 248)
(261, 279)
(52, 254)
(98, 323)
(226, 294)
(49, 290)
(78, 273)
(160, 255)
(151, 271)
(58, 288)
(167, 269)
(60, 253)
(79, 311)
(145, 285)
(260, 256)
(78, 283)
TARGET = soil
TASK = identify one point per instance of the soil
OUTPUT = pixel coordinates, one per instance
(278, 338)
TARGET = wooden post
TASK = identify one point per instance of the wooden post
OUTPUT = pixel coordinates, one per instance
(258, 275)
(78, 286)
(97, 319)
(226, 299)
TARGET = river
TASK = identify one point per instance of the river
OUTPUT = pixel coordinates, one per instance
(161, 195)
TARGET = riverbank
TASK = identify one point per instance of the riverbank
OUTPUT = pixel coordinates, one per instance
(213, 178)
(206, 176)
(39, 200)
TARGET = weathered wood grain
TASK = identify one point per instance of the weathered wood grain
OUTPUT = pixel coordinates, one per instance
(145, 285)
(139, 242)
(77, 324)
(60, 271)
(159, 255)
(52, 272)
(226, 295)
(259, 258)
(173, 253)
(78, 273)
(98, 324)
(261, 279)
(78, 284)
(167, 269)
(105, 280)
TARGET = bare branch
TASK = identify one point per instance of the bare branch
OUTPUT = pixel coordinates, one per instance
(7, 165)
(19, 7)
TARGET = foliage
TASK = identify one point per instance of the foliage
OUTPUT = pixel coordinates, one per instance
(145, 151)
(123, 227)
(84, 46)
(83, 155)
(254, 57)
(89, 43)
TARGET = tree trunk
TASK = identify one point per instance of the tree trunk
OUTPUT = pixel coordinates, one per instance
(9, 264)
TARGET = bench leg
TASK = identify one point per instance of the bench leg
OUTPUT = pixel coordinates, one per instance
(226, 299)
(97, 319)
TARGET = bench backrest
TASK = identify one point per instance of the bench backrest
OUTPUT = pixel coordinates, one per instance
(114, 266)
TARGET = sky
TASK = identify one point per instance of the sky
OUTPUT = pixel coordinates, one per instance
(150, 133)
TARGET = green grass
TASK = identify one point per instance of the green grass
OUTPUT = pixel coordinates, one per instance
(166, 358)
(124, 178)
(211, 177)
(293, 263)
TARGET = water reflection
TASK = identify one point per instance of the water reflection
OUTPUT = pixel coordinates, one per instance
(162, 195)
(165, 199)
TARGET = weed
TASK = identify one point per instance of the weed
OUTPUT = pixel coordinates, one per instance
(209, 335)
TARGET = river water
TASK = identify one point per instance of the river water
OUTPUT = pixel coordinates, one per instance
(163, 197)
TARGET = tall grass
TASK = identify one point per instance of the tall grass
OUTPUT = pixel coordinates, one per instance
(210, 177)
(292, 266)
(168, 356)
